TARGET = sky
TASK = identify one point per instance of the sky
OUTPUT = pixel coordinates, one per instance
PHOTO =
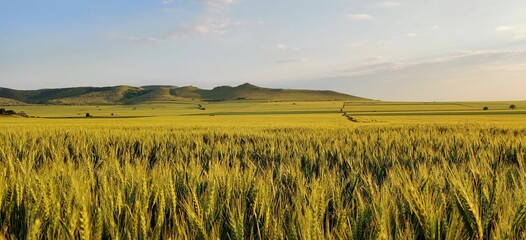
(406, 50)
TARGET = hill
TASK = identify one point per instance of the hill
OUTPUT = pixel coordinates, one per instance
(249, 91)
(10, 102)
(133, 95)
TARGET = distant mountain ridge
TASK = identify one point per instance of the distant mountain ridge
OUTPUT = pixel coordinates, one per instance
(132, 95)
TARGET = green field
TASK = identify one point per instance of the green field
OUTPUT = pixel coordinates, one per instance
(264, 170)
(265, 111)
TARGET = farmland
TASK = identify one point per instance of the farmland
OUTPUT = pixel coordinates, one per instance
(265, 170)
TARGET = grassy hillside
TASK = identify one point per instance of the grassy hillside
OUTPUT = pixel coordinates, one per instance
(153, 94)
(134, 95)
(47, 95)
(10, 102)
(252, 92)
(104, 97)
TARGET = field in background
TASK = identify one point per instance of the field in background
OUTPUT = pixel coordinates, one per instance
(268, 112)
(265, 170)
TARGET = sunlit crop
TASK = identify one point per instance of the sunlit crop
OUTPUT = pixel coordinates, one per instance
(408, 181)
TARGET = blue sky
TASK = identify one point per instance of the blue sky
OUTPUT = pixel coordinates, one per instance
(429, 50)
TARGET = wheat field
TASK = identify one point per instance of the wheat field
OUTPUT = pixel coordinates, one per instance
(106, 180)
(263, 171)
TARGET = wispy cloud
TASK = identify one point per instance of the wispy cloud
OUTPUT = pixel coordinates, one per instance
(285, 47)
(387, 4)
(383, 44)
(282, 46)
(380, 44)
(518, 31)
(358, 44)
(504, 28)
(380, 64)
(145, 40)
(218, 6)
(361, 17)
(212, 20)
(292, 60)
(371, 65)
(137, 40)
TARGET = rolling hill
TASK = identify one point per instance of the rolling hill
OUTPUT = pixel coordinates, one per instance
(133, 95)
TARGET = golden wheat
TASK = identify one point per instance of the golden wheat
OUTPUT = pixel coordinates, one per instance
(405, 181)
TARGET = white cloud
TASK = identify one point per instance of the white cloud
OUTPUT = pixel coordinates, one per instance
(380, 44)
(217, 6)
(138, 40)
(473, 56)
(217, 26)
(380, 64)
(292, 60)
(371, 65)
(361, 17)
(504, 28)
(384, 44)
(410, 34)
(388, 4)
(282, 46)
(144, 40)
(212, 20)
(358, 44)
(376, 59)
(520, 32)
